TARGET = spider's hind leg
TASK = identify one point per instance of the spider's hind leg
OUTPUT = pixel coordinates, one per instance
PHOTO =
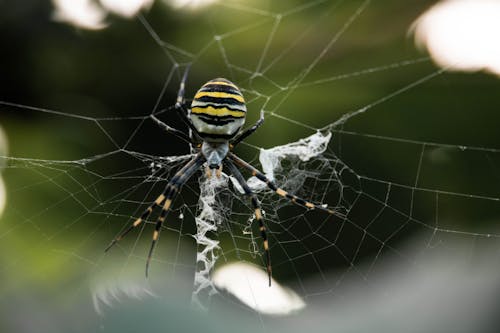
(182, 108)
(249, 131)
(182, 88)
(171, 130)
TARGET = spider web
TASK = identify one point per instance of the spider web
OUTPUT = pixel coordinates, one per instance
(378, 153)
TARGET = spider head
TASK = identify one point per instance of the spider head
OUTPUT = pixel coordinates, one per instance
(218, 110)
(214, 153)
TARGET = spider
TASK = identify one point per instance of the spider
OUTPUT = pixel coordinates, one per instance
(215, 119)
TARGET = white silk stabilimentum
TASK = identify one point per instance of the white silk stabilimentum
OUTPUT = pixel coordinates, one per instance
(209, 216)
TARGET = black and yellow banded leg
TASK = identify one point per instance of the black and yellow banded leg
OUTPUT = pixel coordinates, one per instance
(164, 201)
(169, 196)
(258, 214)
(138, 221)
(173, 187)
(293, 198)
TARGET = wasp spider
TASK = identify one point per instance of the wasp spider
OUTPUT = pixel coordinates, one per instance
(215, 117)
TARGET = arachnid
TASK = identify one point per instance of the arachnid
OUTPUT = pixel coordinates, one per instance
(215, 118)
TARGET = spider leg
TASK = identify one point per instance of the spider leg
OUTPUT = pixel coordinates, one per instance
(249, 131)
(137, 222)
(173, 187)
(181, 107)
(295, 199)
(164, 200)
(182, 87)
(171, 130)
(258, 213)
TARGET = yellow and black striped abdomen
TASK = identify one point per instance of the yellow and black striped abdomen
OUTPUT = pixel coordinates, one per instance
(218, 110)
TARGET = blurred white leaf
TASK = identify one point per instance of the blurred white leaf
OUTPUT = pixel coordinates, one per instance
(250, 285)
(462, 34)
(190, 3)
(80, 13)
(126, 8)
(113, 290)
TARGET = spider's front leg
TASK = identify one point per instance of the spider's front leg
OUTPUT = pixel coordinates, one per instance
(165, 201)
(293, 198)
(258, 213)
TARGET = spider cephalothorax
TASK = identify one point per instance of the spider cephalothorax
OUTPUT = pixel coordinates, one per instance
(215, 118)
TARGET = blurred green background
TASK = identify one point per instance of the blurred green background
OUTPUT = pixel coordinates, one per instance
(62, 210)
